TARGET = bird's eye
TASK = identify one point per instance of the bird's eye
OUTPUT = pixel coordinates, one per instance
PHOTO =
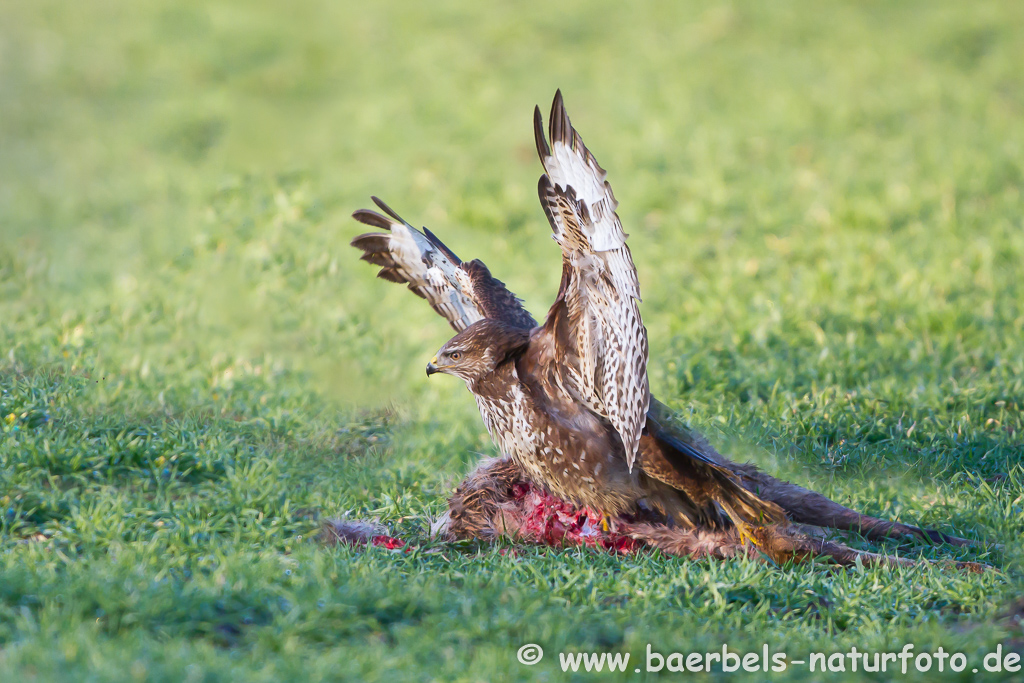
(455, 355)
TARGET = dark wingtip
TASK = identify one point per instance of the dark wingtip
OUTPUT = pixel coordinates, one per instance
(543, 150)
(372, 218)
(387, 209)
(559, 127)
(376, 247)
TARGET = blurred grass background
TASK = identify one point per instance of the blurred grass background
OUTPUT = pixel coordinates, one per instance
(824, 202)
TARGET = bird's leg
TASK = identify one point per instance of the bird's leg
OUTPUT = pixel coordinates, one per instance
(745, 534)
(741, 526)
(606, 522)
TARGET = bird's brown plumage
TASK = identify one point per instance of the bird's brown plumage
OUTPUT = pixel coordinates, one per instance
(568, 400)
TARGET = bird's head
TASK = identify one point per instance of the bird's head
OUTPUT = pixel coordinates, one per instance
(478, 350)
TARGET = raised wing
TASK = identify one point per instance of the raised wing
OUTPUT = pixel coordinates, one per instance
(461, 292)
(595, 320)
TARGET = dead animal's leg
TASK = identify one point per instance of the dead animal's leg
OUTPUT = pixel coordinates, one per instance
(784, 544)
(694, 543)
(781, 544)
(808, 507)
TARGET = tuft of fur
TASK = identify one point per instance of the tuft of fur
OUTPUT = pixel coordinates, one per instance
(348, 532)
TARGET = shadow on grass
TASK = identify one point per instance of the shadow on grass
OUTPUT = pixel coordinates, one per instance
(134, 473)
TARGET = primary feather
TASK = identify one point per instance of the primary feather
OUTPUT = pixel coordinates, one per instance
(462, 293)
(599, 286)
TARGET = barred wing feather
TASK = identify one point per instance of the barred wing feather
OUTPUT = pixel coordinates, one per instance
(461, 292)
(597, 306)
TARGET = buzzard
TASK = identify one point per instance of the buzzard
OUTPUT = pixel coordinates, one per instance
(567, 400)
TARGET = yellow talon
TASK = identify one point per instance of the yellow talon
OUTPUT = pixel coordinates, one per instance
(604, 522)
(741, 526)
(745, 534)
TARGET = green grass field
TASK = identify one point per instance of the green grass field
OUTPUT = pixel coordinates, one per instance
(825, 208)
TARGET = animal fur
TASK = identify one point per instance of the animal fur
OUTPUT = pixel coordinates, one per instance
(495, 500)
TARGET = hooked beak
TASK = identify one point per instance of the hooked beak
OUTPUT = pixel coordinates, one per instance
(432, 366)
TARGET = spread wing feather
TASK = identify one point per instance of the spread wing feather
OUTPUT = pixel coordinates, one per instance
(596, 315)
(462, 292)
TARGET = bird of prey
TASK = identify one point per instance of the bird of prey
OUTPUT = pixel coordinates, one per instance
(567, 400)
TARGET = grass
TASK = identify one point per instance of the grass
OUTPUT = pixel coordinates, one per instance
(826, 214)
